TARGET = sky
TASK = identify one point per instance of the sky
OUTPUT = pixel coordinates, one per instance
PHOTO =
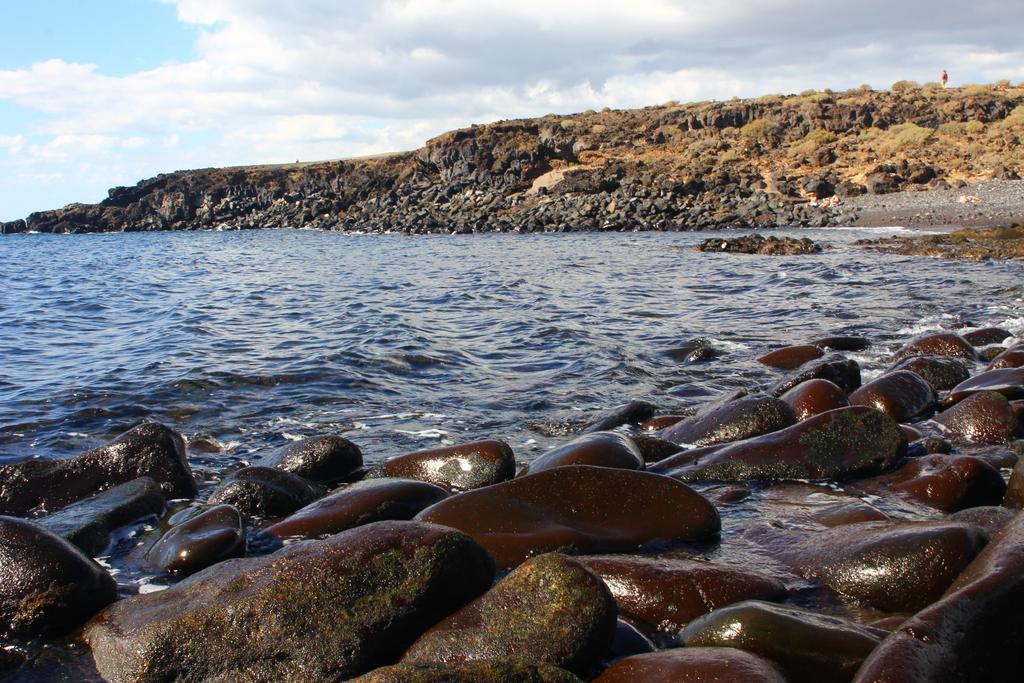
(108, 92)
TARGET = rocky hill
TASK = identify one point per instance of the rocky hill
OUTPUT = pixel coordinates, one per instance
(740, 163)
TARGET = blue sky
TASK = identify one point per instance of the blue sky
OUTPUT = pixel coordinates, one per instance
(108, 92)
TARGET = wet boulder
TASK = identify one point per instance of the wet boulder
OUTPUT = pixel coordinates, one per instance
(987, 335)
(489, 671)
(549, 610)
(940, 344)
(818, 505)
(599, 449)
(945, 482)
(669, 593)
(842, 343)
(902, 395)
(895, 567)
(323, 459)
(1007, 381)
(988, 518)
(632, 413)
(211, 536)
(265, 491)
(149, 450)
(628, 641)
(652, 448)
(693, 665)
(1012, 357)
(49, 586)
(580, 509)
(973, 633)
(808, 646)
(1014, 498)
(791, 357)
(732, 419)
(813, 397)
(660, 422)
(88, 523)
(839, 444)
(316, 610)
(982, 418)
(456, 468)
(841, 371)
(941, 373)
(372, 500)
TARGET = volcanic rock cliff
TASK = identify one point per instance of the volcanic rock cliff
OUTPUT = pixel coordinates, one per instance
(741, 163)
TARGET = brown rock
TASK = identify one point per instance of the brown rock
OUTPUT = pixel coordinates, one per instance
(456, 468)
(842, 343)
(211, 536)
(600, 449)
(944, 482)
(986, 336)
(490, 671)
(732, 419)
(1012, 357)
(841, 371)
(791, 357)
(813, 397)
(693, 665)
(941, 372)
(941, 344)
(266, 491)
(902, 395)
(981, 418)
(323, 459)
(1007, 381)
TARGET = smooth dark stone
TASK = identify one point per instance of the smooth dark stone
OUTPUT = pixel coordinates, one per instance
(652, 448)
(814, 397)
(316, 610)
(973, 633)
(208, 538)
(323, 459)
(47, 586)
(791, 357)
(1012, 357)
(1014, 498)
(942, 344)
(372, 500)
(693, 665)
(549, 610)
(810, 647)
(839, 444)
(841, 371)
(896, 567)
(149, 450)
(656, 424)
(941, 373)
(982, 418)
(913, 433)
(902, 395)
(456, 468)
(87, 524)
(986, 336)
(600, 449)
(490, 671)
(265, 491)
(727, 495)
(628, 641)
(633, 413)
(667, 594)
(578, 508)
(732, 420)
(988, 518)
(841, 343)
(1007, 381)
(944, 482)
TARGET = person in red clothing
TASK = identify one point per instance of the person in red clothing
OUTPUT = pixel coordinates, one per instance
(944, 78)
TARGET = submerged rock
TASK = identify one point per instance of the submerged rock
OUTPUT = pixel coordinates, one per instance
(600, 449)
(732, 419)
(633, 413)
(941, 373)
(580, 509)
(149, 450)
(456, 468)
(204, 540)
(549, 610)
(902, 395)
(982, 418)
(693, 665)
(48, 586)
(791, 357)
(316, 610)
(323, 459)
(941, 344)
(944, 482)
(814, 397)
(841, 371)
(265, 491)
(842, 343)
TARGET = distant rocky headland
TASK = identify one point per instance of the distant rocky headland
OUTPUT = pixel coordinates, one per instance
(755, 163)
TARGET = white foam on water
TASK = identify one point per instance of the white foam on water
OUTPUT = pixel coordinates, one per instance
(424, 433)
(292, 437)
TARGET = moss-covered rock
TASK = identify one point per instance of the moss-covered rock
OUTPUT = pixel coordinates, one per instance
(730, 420)
(490, 671)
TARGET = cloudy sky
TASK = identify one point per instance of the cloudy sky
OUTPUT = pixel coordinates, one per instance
(107, 92)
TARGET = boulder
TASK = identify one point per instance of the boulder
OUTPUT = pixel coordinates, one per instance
(652, 448)
(265, 491)
(456, 468)
(549, 610)
(490, 671)
(945, 482)
(316, 610)
(791, 357)
(939, 344)
(1012, 357)
(731, 420)
(813, 397)
(211, 536)
(632, 413)
(841, 343)
(988, 518)
(843, 372)
(982, 418)
(1014, 498)
(323, 459)
(942, 373)
(987, 335)
(600, 449)
(580, 509)
(693, 665)
(149, 450)
(1007, 381)
(628, 641)
(902, 395)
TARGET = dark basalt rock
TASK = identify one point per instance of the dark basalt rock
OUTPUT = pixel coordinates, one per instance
(843, 372)
(1007, 381)
(972, 634)
(47, 586)
(600, 449)
(578, 508)
(87, 524)
(902, 395)
(814, 397)
(841, 343)
(942, 344)
(988, 518)
(757, 244)
(265, 491)
(316, 610)
(323, 459)
(669, 593)
(633, 413)
(732, 419)
(490, 671)
(211, 536)
(942, 373)
(693, 665)
(456, 468)
(839, 444)
(659, 422)
(896, 567)
(149, 450)
(944, 482)
(981, 418)
(1012, 357)
(810, 647)
(791, 357)
(986, 336)
(549, 610)
(652, 448)
(628, 641)
(372, 500)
